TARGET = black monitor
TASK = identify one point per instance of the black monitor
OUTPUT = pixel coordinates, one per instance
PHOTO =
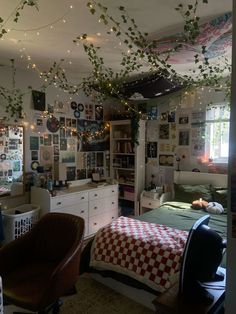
(201, 258)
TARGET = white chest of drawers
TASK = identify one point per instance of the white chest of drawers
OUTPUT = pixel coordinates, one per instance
(96, 205)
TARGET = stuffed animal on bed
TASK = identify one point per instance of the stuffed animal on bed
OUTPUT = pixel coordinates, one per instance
(214, 208)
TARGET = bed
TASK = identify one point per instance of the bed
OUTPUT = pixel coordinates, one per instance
(177, 215)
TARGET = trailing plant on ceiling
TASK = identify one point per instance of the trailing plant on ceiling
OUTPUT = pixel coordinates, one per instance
(16, 14)
(12, 99)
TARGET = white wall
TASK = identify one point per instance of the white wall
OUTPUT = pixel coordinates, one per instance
(183, 106)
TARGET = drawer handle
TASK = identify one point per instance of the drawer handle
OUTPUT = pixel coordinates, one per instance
(112, 217)
(82, 197)
(82, 211)
(58, 203)
(113, 202)
(150, 204)
(95, 195)
(95, 207)
(113, 191)
(95, 224)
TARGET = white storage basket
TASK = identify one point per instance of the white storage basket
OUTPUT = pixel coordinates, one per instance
(19, 220)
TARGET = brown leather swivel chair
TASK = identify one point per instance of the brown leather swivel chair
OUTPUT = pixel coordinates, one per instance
(42, 265)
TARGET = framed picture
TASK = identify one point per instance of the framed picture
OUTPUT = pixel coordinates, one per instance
(39, 100)
(183, 120)
(34, 143)
(164, 131)
(184, 137)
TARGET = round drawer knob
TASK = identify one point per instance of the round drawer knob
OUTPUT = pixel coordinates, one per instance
(95, 207)
(95, 224)
(82, 197)
(95, 195)
(150, 204)
(82, 211)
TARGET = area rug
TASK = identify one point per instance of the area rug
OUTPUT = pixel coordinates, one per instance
(95, 298)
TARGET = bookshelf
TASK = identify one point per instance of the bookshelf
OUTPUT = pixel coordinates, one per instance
(127, 164)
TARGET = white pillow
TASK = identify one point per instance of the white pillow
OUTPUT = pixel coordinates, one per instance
(214, 208)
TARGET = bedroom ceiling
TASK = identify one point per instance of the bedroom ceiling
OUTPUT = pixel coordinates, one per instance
(40, 37)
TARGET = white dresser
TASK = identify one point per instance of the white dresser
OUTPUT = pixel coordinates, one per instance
(97, 205)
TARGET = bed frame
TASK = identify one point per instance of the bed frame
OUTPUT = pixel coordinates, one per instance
(193, 178)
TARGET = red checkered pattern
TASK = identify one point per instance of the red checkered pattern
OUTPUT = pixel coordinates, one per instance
(145, 251)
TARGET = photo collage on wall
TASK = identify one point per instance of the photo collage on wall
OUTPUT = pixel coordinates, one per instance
(11, 156)
(176, 133)
(60, 139)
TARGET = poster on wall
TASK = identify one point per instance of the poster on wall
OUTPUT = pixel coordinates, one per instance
(183, 137)
(164, 131)
(152, 150)
(198, 118)
(94, 144)
(166, 160)
(46, 155)
(198, 142)
(67, 157)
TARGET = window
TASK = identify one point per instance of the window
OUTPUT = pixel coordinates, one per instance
(217, 132)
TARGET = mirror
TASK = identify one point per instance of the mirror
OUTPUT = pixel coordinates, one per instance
(11, 160)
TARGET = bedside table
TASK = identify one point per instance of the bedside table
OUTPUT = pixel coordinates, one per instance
(148, 203)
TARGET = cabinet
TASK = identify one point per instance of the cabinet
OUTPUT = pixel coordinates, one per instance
(98, 206)
(127, 164)
(148, 203)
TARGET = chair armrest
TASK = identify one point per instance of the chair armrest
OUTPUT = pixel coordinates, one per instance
(15, 253)
(165, 197)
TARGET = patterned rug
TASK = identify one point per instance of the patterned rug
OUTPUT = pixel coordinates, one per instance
(94, 298)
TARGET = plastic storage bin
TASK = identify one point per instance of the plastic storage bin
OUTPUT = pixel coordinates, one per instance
(19, 220)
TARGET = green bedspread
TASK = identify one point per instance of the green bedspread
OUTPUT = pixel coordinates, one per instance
(181, 216)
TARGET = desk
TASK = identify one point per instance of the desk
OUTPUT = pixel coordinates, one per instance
(169, 302)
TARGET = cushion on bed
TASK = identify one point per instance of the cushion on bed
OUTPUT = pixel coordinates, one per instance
(188, 193)
(220, 196)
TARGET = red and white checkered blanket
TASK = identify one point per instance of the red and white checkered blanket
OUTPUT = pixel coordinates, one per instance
(147, 252)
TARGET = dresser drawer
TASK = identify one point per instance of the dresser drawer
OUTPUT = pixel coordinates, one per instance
(110, 191)
(102, 205)
(98, 221)
(150, 203)
(67, 200)
(96, 194)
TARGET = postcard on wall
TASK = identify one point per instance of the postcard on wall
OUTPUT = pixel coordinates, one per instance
(47, 139)
(34, 143)
(166, 160)
(70, 173)
(198, 118)
(46, 155)
(152, 112)
(39, 123)
(63, 144)
(164, 131)
(171, 116)
(67, 157)
(55, 139)
(152, 150)
(34, 155)
(183, 137)
(183, 119)
(166, 147)
(81, 160)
